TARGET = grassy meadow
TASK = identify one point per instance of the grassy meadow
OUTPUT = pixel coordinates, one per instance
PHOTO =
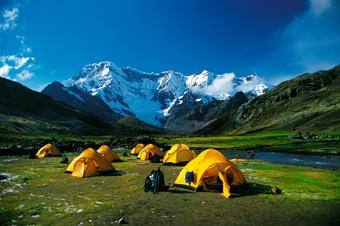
(38, 192)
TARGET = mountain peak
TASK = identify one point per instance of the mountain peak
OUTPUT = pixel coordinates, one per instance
(55, 84)
(205, 72)
(251, 77)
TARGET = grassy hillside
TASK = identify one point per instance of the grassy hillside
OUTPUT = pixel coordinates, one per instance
(307, 103)
(24, 110)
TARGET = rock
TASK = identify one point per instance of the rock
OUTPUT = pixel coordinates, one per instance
(120, 221)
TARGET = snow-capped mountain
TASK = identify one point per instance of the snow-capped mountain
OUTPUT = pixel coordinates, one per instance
(152, 97)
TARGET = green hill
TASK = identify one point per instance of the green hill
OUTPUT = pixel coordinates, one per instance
(309, 102)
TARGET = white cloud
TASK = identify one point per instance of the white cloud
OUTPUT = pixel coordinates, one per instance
(24, 75)
(21, 62)
(311, 41)
(221, 86)
(19, 65)
(4, 70)
(18, 62)
(248, 86)
(9, 19)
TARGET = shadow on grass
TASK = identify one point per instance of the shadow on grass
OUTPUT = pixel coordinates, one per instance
(254, 189)
(236, 191)
(107, 174)
(112, 173)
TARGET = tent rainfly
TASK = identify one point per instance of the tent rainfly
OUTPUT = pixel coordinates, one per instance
(179, 154)
(208, 170)
(107, 153)
(89, 163)
(148, 150)
(48, 150)
(136, 149)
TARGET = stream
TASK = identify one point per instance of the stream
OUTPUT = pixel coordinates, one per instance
(317, 161)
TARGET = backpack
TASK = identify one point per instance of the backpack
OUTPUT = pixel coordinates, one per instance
(155, 181)
(189, 177)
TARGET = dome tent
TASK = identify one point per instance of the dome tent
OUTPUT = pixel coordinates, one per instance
(137, 149)
(207, 169)
(48, 150)
(107, 153)
(179, 154)
(89, 163)
(148, 150)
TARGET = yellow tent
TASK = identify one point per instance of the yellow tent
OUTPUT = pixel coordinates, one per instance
(148, 150)
(136, 149)
(89, 163)
(48, 150)
(205, 170)
(107, 153)
(179, 154)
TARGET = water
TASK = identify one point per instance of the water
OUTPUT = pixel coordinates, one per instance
(317, 161)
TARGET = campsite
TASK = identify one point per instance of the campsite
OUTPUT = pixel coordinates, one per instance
(38, 191)
(171, 112)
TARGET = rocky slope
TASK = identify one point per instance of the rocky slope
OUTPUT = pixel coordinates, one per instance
(208, 115)
(79, 99)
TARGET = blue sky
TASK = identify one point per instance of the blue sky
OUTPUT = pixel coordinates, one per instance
(43, 41)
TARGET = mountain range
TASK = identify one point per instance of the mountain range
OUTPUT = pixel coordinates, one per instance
(156, 98)
(105, 99)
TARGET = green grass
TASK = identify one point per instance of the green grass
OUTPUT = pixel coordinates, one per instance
(47, 196)
(272, 141)
(264, 141)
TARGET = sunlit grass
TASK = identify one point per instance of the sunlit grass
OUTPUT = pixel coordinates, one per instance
(274, 141)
